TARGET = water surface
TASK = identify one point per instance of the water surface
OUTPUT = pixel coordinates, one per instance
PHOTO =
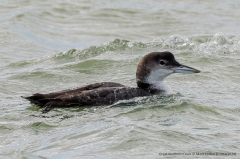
(53, 45)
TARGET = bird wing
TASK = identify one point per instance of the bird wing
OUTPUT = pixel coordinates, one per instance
(99, 96)
(42, 99)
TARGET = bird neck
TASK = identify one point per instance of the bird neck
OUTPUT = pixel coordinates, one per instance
(155, 87)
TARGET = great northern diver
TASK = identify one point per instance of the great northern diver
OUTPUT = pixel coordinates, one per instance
(151, 71)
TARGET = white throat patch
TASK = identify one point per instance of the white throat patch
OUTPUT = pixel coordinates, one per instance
(156, 78)
(158, 75)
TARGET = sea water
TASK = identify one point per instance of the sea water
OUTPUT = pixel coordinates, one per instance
(49, 46)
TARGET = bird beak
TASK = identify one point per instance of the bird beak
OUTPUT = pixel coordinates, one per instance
(185, 69)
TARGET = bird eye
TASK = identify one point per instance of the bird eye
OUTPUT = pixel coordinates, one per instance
(162, 63)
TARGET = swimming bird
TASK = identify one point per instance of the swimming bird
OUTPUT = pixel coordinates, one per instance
(151, 71)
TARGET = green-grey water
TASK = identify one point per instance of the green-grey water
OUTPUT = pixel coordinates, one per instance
(54, 45)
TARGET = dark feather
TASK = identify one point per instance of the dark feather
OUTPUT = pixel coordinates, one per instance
(75, 97)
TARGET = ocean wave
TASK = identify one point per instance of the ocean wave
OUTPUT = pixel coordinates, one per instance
(202, 45)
